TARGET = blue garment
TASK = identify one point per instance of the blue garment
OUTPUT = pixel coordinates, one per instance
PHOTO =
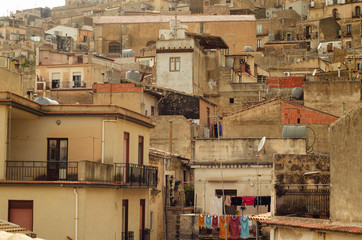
(208, 221)
(244, 222)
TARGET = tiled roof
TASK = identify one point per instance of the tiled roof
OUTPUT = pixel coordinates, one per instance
(13, 228)
(165, 19)
(315, 226)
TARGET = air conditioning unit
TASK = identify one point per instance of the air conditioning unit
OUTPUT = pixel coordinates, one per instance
(286, 74)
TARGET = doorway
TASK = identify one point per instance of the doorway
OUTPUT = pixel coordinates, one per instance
(57, 159)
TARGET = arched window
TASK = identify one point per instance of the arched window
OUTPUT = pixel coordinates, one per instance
(335, 13)
(358, 11)
(114, 47)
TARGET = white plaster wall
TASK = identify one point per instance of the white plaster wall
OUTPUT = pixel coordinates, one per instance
(244, 180)
(182, 80)
(69, 31)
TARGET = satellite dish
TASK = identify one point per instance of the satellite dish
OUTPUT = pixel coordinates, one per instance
(261, 144)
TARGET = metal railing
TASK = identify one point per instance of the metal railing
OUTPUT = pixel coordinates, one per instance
(41, 171)
(313, 203)
(145, 234)
(135, 175)
(127, 236)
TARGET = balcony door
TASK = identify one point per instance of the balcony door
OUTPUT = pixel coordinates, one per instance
(57, 159)
(142, 219)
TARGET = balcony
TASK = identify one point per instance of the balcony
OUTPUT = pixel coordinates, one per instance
(127, 175)
(127, 236)
(303, 201)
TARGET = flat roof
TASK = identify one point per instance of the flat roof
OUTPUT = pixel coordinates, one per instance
(165, 19)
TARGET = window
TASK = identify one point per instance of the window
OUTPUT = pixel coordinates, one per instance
(358, 11)
(152, 111)
(258, 43)
(21, 213)
(289, 37)
(77, 80)
(114, 47)
(258, 29)
(174, 64)
(140, 150)
(231, 100)
(349, 27)
(335, 13)
(85, 39)
(55, 80)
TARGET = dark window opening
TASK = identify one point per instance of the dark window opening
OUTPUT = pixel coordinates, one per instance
(114, 47)
(231, 100)
(140, 150)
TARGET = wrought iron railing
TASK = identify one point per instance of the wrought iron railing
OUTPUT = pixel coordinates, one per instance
(127, 236)
(145, 234)
(41, 171)
(135, 175)
(313, 203)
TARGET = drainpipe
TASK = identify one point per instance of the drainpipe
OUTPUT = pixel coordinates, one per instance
(76, 214)
(103, 136)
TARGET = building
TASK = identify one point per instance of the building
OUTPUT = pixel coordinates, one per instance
(182, 61)
(343, 218)
(268, 119)
(140, 31)
(75, 165)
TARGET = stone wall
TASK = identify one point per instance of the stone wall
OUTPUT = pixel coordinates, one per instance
(291, 169)
(346, 162)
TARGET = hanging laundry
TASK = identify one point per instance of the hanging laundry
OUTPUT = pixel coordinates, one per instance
(227, 200)
(244, 232)
(234, 223)
(201, 220)
(208, 220)
(236, 201)
(248, 201)
(263, 201)
(215, 221)
(216, 205)
(223, 221)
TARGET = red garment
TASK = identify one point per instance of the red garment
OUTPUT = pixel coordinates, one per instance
(215, 221)
(234, 223)
(248, 201)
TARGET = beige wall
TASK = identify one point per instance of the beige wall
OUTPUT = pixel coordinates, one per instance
(100, 210)
(329, 96)
(11, 81)
(66, 74)
(181, 134)
(245, 149)
(3, 139)
(137, 36)
(346, 157)
(30, 135)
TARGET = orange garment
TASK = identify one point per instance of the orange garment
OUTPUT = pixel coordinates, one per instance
(201, 220)
(222, 227)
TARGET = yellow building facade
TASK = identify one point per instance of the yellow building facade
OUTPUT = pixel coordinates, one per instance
(76, 171)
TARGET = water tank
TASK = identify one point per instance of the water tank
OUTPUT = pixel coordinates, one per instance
(45, 100)
(75, 25)
(133, 75)
(248, 49)
(271, 37)
(128, 53)
(295, 132)
(297, 93)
